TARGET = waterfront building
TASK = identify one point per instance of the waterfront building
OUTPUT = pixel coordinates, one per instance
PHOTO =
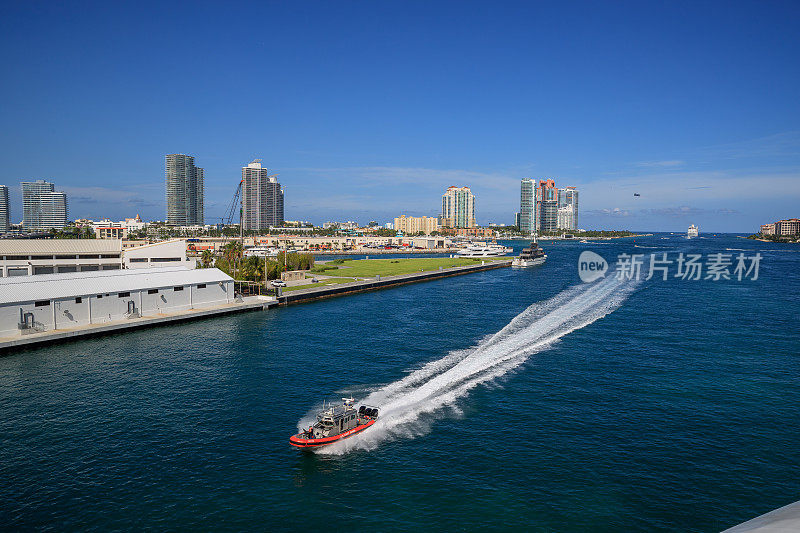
(42, 207)
(567, 208)
(546, 206)
(788, 227)
(412, 225)
(68, 300)
(5, 213)
(768, 229)
(458, 208)
(527, 203)
(27, 257)
(185, 190)
(262, 198)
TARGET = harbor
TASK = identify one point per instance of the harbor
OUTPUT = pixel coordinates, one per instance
(54, 308)
(189, 424)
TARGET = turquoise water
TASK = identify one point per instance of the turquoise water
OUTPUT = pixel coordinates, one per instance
(511, 398)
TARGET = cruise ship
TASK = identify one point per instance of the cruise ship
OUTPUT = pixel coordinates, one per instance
(693, 231)
(481, 249)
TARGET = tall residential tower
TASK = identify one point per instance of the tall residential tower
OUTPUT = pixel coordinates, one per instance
(42, 207)
(527, 202)
(458, 208)
(5, 218)
(262, 198)
(184, 190)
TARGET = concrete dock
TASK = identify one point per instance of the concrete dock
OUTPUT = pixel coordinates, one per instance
(342, 289)
(254, 303)
(251, 303)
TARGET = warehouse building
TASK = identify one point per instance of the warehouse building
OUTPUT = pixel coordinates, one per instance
(61, 301)
(28, 257)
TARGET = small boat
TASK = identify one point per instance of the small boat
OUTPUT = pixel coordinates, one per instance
(531, 256)
(336, 423)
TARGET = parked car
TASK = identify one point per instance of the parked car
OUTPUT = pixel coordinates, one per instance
(278, 283)
(314, 280)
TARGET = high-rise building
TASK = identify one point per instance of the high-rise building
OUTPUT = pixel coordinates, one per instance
(262, 198)
(42, 207)
(412, 225)
(458, 208)
(5, 218)
(517, 219)
(527, 202)
(546, 206)
(185, 184)
(568, 208)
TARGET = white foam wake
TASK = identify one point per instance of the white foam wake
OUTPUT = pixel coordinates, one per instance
(439, 384)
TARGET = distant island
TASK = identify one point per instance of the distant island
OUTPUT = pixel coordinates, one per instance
(774, 238)
(787, 230)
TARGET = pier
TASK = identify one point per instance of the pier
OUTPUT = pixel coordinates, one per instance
(119, 323)
(255, 303)
(342, 289)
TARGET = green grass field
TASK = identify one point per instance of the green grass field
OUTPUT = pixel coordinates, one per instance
(322, 282)
(369, 268)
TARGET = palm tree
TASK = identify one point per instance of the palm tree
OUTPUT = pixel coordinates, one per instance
(206, 258)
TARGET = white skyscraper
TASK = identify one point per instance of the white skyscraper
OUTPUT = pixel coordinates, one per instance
(527, 204)
(5, 218)
(262, 198)
(568, 208)
(42, 207)
(185, 190)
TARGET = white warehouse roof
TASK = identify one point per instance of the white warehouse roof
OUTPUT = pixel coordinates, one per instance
(59, 246)
(69, 285)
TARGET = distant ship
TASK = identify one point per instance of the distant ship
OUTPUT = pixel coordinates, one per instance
(693, 231)
(480, 249)
(531, 256)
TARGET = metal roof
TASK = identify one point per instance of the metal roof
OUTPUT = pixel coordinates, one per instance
(58, 246)
(69, 285)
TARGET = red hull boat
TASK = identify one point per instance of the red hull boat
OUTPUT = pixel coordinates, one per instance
(335, 424)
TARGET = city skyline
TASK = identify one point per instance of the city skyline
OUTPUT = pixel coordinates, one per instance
(614, 114)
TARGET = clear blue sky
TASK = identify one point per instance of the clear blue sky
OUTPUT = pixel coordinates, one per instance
(370, 109)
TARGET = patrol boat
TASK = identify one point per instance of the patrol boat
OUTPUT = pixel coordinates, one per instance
(336, 423)
(531, 256)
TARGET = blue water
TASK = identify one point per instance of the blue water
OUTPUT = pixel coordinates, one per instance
(512, 398)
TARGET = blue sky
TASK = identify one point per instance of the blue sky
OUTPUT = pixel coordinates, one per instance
(370, 109)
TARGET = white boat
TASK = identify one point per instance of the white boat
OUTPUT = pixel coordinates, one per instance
(261, 251)
(481, 249)
(693, 231)
(531, 256)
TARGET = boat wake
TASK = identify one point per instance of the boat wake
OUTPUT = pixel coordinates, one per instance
(440, 384)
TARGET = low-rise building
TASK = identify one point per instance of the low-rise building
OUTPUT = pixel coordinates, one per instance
(412, 225)
(768, 229)
(160, 254)
(28, 257)
(62, 301)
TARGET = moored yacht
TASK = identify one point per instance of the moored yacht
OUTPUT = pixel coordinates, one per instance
(481, 249)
